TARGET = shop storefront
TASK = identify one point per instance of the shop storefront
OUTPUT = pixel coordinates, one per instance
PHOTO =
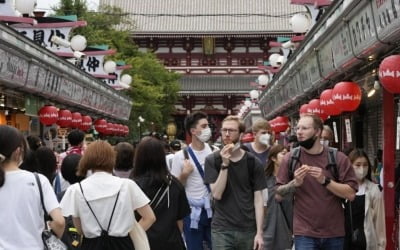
(347, 45)
(32, 76)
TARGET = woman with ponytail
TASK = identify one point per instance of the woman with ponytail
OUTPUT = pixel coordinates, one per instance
(22, 215)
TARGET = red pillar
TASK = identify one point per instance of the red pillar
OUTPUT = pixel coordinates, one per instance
(389, 135)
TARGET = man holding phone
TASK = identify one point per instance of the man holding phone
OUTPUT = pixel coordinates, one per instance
(236, 179)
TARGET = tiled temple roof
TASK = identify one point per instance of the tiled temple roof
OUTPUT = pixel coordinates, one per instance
(208, 16)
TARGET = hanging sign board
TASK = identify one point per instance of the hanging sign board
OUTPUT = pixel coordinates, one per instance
(335, 132)
(387, 19)
(348, 130)
(398, 134)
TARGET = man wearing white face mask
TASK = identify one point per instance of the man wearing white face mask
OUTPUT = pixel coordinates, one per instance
(188, 167)
(326, 136)
(263, 140)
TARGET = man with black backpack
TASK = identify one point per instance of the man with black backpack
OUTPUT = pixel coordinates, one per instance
(320, 178)
(236, 178)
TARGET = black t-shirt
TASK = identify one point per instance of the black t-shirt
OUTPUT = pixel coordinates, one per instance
(235, 210)
(164, 233)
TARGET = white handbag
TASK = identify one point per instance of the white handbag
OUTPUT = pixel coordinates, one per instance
(139, 237)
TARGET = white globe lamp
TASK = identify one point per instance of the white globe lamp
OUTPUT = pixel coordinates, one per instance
(78, 43)
(273, 59)
(127, 79)
(281, 60)
(25, 6)
(263, 80)
(110, 67)
(300, 23)
(254, 94)
(247, 103)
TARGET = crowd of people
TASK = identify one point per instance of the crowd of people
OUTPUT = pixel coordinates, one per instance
(301, 194)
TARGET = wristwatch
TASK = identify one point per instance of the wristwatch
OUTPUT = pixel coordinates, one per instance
(223, 167)
(326, 182)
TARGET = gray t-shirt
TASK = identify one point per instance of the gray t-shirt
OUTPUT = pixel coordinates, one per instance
(235, 210)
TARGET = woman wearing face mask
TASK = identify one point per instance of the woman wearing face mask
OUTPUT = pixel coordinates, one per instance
(278, 216)
(22, 215)
(367, 217)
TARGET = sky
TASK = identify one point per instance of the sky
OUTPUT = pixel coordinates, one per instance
(46, 5)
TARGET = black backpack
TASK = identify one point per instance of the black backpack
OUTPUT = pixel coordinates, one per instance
(332, 166)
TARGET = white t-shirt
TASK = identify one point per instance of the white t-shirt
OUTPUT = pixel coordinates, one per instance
(100, 190)
(21, 212)
(194, 187)
(169, 158)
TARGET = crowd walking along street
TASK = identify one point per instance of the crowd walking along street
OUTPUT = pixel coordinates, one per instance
(199, 125)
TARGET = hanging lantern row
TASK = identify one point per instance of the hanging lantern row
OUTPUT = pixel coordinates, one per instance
(49, 115)
(345, 96)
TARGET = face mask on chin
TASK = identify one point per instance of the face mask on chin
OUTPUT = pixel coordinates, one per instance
(205, 135)
(309, 143)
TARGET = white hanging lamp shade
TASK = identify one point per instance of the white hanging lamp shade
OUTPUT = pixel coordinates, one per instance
(263, 80)
(110, 67)
(300, 22)
(25, 6)
(254, 94)
(127, 79)
(281, 60)
(273, 59)
(78, 43)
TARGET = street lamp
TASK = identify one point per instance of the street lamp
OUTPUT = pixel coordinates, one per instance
(77, 44)
(141, 120)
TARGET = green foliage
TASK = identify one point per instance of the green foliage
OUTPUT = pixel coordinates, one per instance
(153, 89)
(71, 7)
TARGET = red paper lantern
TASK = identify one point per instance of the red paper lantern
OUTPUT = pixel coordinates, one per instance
(281, 124)
(347, 95)
(101, 126)
(389, 74)
(76, 120)
(114, 129)
(272, 123)
(126, 130)
(121, 130)
(315, 108)
(247, 137)
(109, 129)
(48, 115)
(327, 103)
(86, 123)
(64, 118)
(303, 109)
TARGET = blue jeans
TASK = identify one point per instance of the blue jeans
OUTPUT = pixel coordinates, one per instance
(311, 243)
(194, 237)
(223, 239)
